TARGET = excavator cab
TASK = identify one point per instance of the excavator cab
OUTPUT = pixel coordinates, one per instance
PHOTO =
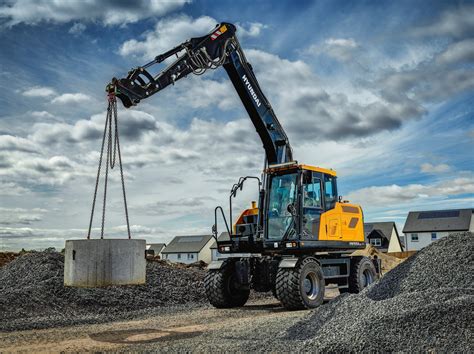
(301, 212)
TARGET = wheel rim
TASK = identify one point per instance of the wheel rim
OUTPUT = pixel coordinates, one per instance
(311, 286)
(366, 278)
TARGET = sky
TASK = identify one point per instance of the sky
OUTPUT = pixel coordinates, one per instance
(380, 91)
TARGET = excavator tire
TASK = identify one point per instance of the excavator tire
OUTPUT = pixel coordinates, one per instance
(220, 288)
(301, 287)
(362, 274)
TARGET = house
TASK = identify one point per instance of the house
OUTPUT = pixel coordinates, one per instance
(155, 249)
(423, 227)
(189, 249)
(215, 252)
(383, 236)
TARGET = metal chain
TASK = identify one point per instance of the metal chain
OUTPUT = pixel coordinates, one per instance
(111, 119)
(98, 173)
(121, 168)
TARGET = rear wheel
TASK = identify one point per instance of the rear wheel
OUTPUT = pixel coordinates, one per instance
(222, 288)
(362, 274)
(301, 287)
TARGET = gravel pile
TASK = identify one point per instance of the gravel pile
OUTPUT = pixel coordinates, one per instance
(424, 304)
(32, 294)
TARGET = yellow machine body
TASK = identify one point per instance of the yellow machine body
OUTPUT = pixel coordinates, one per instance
(342, 223)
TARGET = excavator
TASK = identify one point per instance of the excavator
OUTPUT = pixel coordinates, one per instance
(299, 235)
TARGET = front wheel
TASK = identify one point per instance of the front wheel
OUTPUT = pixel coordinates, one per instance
(301, 287)
(222, 288)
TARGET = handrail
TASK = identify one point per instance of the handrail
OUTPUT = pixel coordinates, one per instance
(214, 228)
(238, 185)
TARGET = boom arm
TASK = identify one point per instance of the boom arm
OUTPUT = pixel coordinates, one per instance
(218, 48)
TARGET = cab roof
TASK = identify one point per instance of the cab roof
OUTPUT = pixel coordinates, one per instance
(294, 164)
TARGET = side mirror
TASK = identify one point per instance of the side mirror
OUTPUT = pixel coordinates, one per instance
(340, 199)
(214, 229)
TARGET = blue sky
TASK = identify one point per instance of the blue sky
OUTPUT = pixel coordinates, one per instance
(382, 92)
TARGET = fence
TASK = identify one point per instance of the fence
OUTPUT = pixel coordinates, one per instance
(402, 255)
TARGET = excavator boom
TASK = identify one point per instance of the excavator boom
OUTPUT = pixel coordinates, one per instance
(197, 55)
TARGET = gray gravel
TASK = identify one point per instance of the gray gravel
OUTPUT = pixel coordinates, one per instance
(32, 294)
(424, 304)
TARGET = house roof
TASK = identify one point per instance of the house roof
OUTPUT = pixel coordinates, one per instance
(438, 220)
(222, 237)
(187, 244)
(157, 247)
(384, 228)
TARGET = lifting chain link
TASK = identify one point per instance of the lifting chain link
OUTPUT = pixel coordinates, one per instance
(113, 149)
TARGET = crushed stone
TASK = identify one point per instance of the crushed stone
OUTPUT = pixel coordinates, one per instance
(33, 295)
(424, 304)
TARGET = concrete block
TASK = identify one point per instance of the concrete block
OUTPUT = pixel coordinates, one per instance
(104, 262)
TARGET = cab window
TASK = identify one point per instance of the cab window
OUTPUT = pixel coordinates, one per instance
(312, 203)
(312, 194)
(330, 192)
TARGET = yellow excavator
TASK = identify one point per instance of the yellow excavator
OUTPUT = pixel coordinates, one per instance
(300, 234)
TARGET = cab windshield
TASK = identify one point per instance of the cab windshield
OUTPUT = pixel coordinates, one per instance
(282, 193)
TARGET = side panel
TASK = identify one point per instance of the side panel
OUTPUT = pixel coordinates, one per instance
(343, 223)
(352, 223)
(330, 227)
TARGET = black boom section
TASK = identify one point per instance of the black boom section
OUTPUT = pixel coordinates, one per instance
(219, 48)
(274, 139)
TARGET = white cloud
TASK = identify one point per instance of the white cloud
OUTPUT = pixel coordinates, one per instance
(429, 168)
(342, 49)
(393, 195)
(168, 33)
(77, 28)
(20, 216)
(341, 42)
(67, 98)
(296, 91)
(197, 92)
(132, 124)
(108, 12)
(12, 189)
(55, 170)
(253, 29)
(39, 91)
(42, 115)
(458, 52)
(456, 22)
(10, 143)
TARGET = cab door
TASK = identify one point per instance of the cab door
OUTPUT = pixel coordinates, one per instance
(312, 206)
(333, 214)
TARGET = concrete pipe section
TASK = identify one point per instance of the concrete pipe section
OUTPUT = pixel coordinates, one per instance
(104, 262)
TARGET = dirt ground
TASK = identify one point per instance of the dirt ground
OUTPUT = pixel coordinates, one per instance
(182, 330)
(7, 257)
(196, 329)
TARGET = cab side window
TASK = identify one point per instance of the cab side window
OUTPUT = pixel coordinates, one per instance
(312, 194)
(330, 192)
